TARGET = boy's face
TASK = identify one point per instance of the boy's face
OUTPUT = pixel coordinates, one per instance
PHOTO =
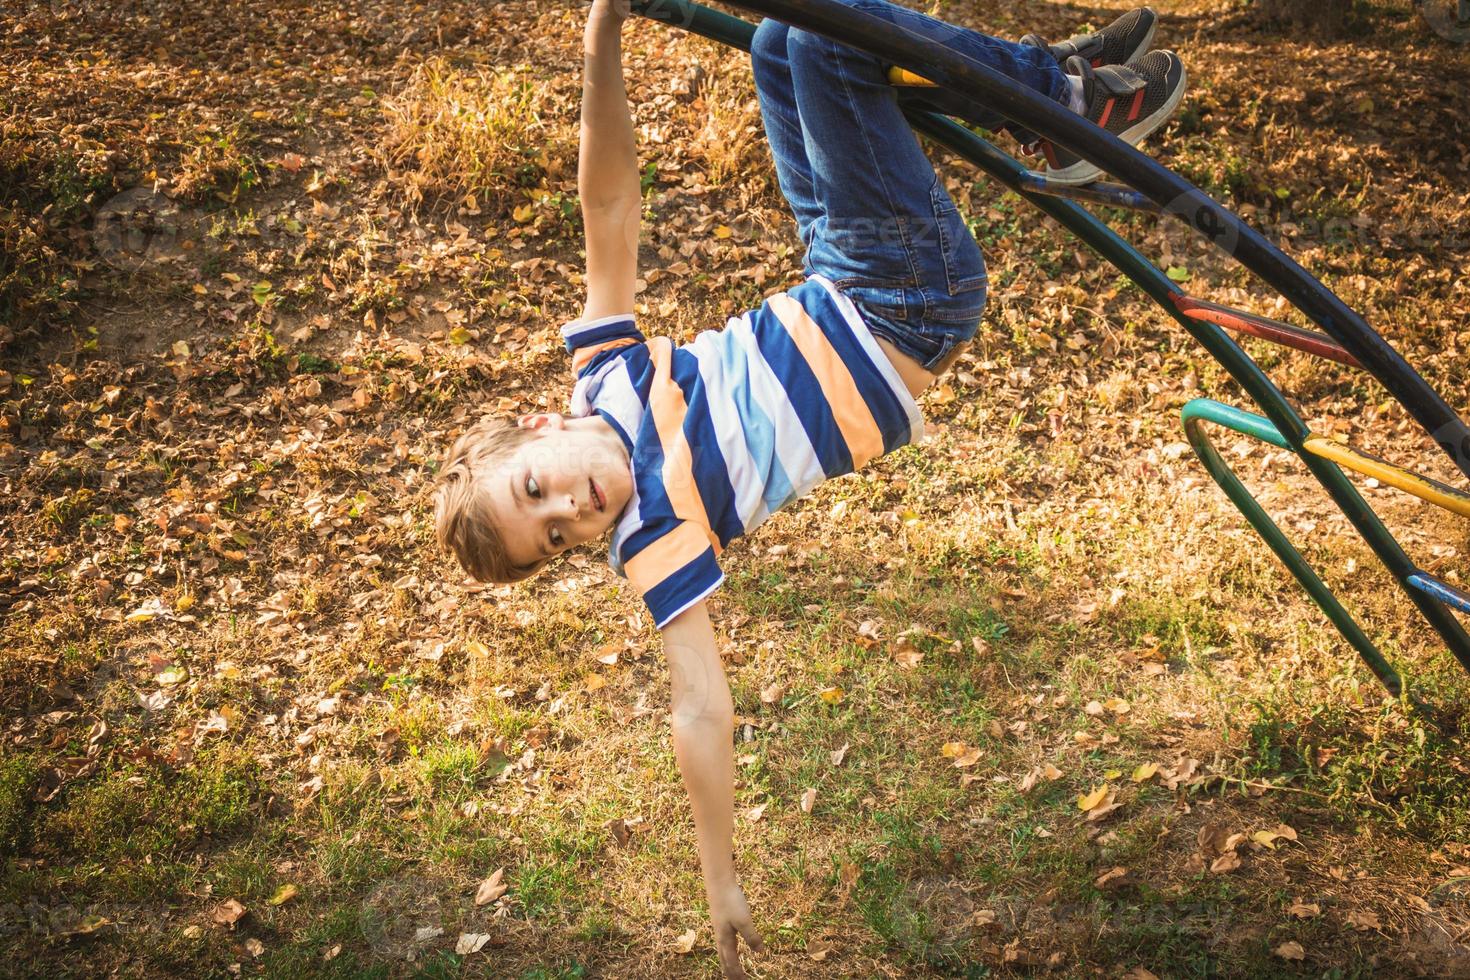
(562, 489)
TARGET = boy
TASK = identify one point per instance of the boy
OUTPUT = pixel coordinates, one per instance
(678, 450)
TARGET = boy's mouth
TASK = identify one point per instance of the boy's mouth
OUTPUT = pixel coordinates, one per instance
(598, 500)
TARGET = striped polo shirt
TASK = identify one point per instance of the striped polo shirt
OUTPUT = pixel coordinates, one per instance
(726, 430)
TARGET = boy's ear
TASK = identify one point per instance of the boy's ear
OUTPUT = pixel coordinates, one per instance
(542, 420)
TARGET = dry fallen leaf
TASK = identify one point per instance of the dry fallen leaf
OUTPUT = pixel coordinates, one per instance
(1225, 863)
(1090, 801)
(839, 755)
(1284, 831)
(832, 695)
(471, 942)
(773, 693)
(491, 888)
(808, 799)
(1212, 837)
(228, 912)
(1304, 910)
(685, 943)
(1109, 805)
(1145, 772)
(1184, 775)
(756, 812)
(905, 654)
(968, 757)
(1291, 950)
(1364, 920)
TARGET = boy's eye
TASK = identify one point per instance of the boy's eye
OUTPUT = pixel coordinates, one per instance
(556, 538)
(532, 487)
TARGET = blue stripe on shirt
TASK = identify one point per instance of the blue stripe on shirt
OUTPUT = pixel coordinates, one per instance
(805, 394)
(760, 431)
(683, 589)
(711, 472)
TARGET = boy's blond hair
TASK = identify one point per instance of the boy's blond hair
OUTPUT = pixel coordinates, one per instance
(462, 518)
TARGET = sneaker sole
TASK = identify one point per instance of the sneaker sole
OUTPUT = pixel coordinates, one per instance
(1083, 172)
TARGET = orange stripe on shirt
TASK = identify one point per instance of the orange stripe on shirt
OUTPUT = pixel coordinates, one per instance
(854, 419)
(584, 355)
(665, 556)
(666, 402)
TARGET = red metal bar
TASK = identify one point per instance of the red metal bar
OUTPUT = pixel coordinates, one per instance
(1285, 334)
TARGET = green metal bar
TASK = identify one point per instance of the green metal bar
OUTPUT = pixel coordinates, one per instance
(1203, 410)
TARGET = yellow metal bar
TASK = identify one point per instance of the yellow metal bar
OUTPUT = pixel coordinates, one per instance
(1456, 501)
(902, 76)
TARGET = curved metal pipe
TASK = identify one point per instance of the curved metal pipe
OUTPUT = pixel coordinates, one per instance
(1202, 410)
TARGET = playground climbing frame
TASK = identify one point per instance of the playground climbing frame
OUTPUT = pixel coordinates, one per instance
(1142, 184)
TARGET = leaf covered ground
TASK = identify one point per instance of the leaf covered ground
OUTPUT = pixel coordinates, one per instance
(1030, 698)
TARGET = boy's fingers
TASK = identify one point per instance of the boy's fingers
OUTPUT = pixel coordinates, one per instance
(730, 956)
(752, 938)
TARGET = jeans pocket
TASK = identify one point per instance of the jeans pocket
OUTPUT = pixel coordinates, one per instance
(889, 302)
(963, 262)
(866, 251)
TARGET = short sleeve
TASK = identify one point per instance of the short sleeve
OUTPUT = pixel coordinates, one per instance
(592, 342)
(673, 565)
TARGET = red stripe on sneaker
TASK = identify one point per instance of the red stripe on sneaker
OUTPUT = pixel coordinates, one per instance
(1137, 105)
(1107, 111)
(1050, 153)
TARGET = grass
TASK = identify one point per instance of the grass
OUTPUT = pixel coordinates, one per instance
(218, 164)
(456, 130)
(723, 115)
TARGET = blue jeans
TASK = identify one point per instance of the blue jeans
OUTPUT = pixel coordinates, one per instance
(872, 213)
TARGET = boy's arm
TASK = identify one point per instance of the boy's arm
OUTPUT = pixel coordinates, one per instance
(607, 170)
(703, 720)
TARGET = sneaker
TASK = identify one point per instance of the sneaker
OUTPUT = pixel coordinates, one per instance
(1130, 101)
(1125, 39)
